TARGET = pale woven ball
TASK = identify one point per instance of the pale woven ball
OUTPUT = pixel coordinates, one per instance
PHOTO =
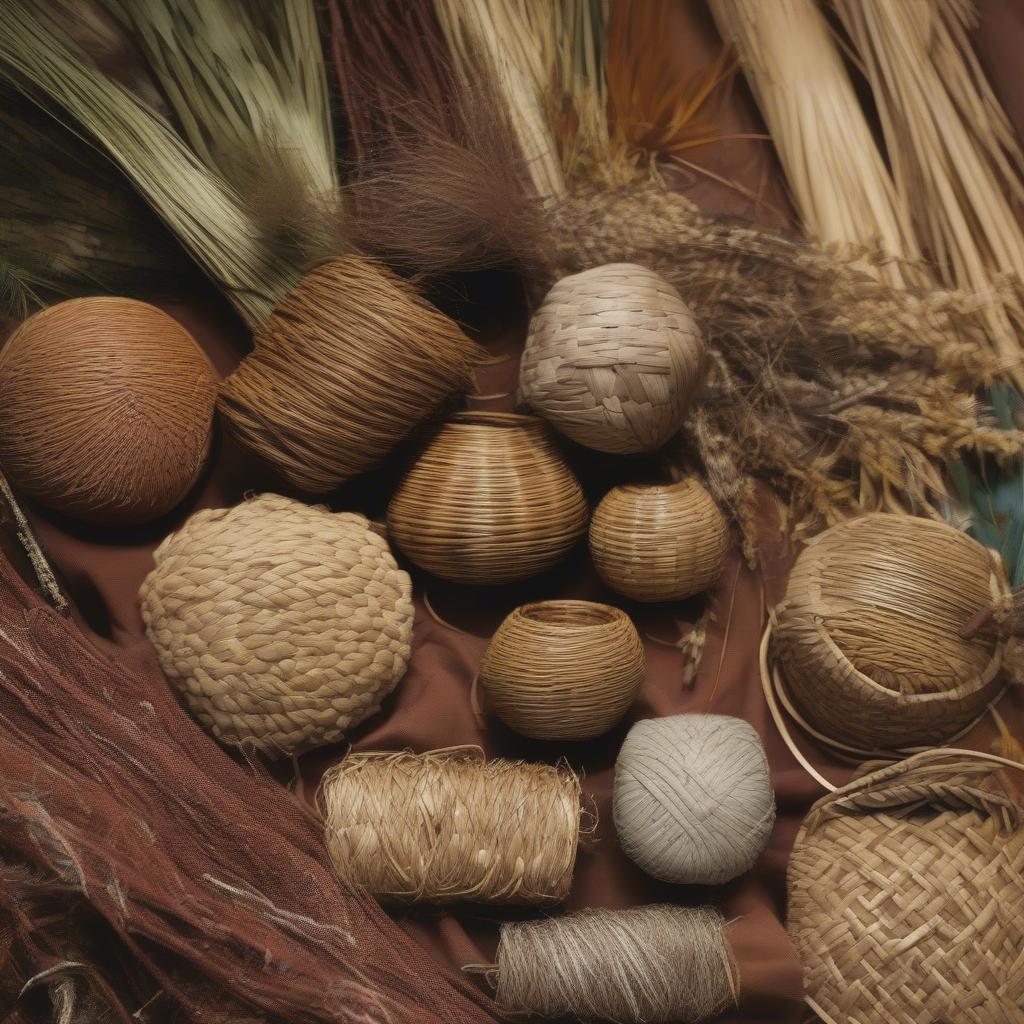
(106, 410)
(693, 799)
(282, 624)
(659, 542)
(613, 358)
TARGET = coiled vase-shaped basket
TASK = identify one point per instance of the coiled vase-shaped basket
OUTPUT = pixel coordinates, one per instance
(659, 542)
(490, 499)
(906, 896)
(613, 358)
(563, 670)
(868, 637)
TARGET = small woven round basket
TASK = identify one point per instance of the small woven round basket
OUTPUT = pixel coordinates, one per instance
(906, 896)
(490, 500)
(613, 358)
(563, 670)
(868, 636)
(659, 542)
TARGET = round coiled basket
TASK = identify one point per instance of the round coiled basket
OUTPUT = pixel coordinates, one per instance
(659, 542)
(563, 670)
(490, 500)
(906, 896)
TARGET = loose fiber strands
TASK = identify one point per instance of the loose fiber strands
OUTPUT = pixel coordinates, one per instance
(447, 826)
(563, 669)
(646, 965)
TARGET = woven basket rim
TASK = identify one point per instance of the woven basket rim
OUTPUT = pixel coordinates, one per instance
(489, 418)
(574, 615)
(654, 486)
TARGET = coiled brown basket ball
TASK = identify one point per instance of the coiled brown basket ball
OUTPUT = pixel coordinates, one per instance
(350, 361)
(868, 635)
(563, 670)
(490, 499)
(282, 624)
(613, 358)
(659, 542)
(106, 410)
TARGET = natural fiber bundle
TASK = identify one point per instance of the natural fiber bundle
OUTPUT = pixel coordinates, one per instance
(447, 826)
(693, 798)
(613, 359)
(282, 624)
(646, 965)
(906, 895)
(106, 410)
(563, 670)
(489, 500)
(868, 636)
(659, 542)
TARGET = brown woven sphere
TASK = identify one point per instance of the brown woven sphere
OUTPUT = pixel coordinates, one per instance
(106, 410)
(906, 896)
(613, 358)
(490, 500)
(351, 360)
(867, 636)
(659, 542)
(563, 670)
(282, 624)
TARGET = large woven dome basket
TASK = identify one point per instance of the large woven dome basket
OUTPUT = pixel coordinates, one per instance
(868, 637)
(906, 896)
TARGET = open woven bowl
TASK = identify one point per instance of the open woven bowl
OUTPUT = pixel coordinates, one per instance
(906, 896)
(563, 670)
(490, 500)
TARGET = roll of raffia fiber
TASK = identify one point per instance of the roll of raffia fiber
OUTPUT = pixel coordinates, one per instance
(282, 624)
(869, 642)
(106, 410)
(448, 826)
(659, 542)
(693, 799)
(646, 965)
(563, 670)
(613, 358)
(490, 499)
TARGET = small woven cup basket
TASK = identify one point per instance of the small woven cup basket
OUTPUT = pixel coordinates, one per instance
(906, 895)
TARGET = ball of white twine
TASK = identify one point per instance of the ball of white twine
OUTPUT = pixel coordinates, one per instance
(693, 799)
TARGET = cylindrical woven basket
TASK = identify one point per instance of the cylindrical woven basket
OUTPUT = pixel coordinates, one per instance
(906, 896)
(490, 500)
(613, 358)
(868, 635)
(350, 361)
(659, 542)
(563, 670)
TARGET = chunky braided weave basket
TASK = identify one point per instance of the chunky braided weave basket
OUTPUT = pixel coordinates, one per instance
(906, 896)
(613, 358)
(283, 624)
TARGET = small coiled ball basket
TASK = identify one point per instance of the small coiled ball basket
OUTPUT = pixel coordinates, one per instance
(659, 542)
(906, 896)
(282, 624)
(563, 670)
(490, 500)
(613, 358)
(868, 635)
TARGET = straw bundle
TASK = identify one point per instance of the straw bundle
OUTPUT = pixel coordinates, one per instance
(659, 542)
(906, 896)
(868, 636)
(646, 965)
(282, 624)
(106, 410)
(613, 358)
(563, 670)
(489, 500)
(446, 826)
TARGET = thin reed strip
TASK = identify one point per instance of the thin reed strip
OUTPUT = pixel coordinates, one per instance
(646, 965)
(447, 826)
(490, 499)
(563, 669)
